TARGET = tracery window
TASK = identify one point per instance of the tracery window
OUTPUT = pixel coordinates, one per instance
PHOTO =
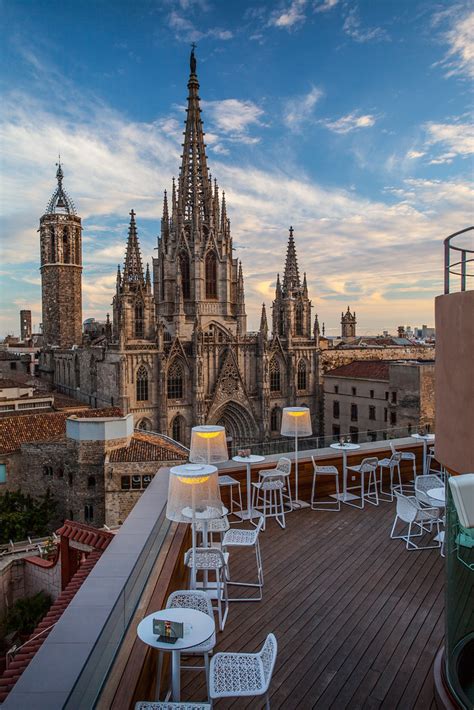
(139, 320)
(66, 247)
(302, 375)
(211, 275)
(299, 319)
(178, 428)
(53, 246)
(142, 384)
(275, 419)
(185, 279)
(162, 280)
(275, 375)
(175, 381)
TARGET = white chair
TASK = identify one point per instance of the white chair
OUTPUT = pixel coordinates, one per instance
(325, 472)
(392, 464)
(212, 560)
(367, 470)
(269, 489)
(216, 525)
(229, 482)
(406, 456)
(423, 484)
(240, 675)
(199, 601)
(282, 469)
(246, 538)
(410, 510)
(171, 706)
(429, 460)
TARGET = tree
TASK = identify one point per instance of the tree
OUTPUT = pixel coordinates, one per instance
(25, 614)
(22, 516)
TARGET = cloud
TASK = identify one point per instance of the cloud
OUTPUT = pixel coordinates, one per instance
(233, 118)
(290, 17)
(456, 138)
(459, 59)
(414, 154)
(351, 122)
(353, 28)
(325, 5)
(299, 109)
(186, 31)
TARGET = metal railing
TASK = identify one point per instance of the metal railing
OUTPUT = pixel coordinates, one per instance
(460, 267)
(11, 653)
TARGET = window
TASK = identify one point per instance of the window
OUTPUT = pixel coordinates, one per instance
(178, 429)
(275, 419)
(185, 280)
(393, 418)
(336, 389)
(91, 482)
(354, 432)
(144, 425)
(386, 395)
(136, 483)
(409, 429)
(372, 413)
(175, 381)
(354, 413)
(125, 483)
(66, 250)
(88, 513)
(139, 323)
(335, 410)
(336, 431)
(47, 470)
(394, 397)
(372, 394)
(77, 371)
(146, 480)
(211, 275)
(275, 376)
(162, 279)
(3, 473)
(372, 435)
(302, 379)
(354, 391)
(60, 473)
(142, 384)
(299, 319)
(13, 366)
(385, 414)
(69, 478)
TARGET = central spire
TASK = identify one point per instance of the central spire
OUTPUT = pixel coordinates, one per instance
(194, 188)
(291, 277)
(133, 269)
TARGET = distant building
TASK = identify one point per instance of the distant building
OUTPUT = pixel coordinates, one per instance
(348, 324)
(366, 397)
(15, 397)
(25, 325)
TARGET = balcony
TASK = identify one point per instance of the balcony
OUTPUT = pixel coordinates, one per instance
(358, 618)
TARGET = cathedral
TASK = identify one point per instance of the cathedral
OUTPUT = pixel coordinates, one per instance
(177, 352)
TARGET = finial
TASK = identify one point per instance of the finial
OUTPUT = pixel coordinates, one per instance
(192, 59)
(59, 171)
(291, 232)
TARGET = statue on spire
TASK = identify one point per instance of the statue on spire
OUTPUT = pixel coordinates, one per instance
(192, 59)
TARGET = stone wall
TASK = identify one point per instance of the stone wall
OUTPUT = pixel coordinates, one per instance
(427, 397)
(41, 576)
(12, 582)
(332, 358)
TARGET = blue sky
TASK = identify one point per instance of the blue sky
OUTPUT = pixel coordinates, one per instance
(350, 120)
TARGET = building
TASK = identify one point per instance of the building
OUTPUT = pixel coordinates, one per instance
(348, 324)
(25, 325)
(20, 398)
(366, 397)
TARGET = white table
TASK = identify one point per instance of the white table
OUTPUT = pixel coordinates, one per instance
(437, 494)
(198, 627)
(344, 496)
(425, 439)
(248, 461)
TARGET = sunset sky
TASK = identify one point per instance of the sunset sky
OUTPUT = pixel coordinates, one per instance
(349, 120)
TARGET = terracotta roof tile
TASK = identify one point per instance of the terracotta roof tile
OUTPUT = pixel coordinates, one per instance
(362, 369)
(148, 447)
(79, 532)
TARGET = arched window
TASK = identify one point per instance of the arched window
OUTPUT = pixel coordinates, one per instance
(53, 246)
(60, 473)
(91, 482)
(77, 259)
(162, 279)
(178, 429)
(144, 425)
(139, 320)
(142, 384)
(88, 513)
(66, 247)
(302, 379)
(175, 381)
(185, 279)
(275, 375)
(77, 371)
(275, 420)
(211, 275)
(299, 319)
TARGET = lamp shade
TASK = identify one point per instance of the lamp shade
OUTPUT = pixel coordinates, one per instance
(296, 421)
(193, 488)
(208, 444)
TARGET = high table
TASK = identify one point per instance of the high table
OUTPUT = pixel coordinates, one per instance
(248, 461)
(198, 627)
(344, 496)
(426, 439)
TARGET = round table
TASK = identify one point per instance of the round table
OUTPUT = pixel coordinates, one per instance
(344, 496)
(437, 494)
(248, 461)
(198, 627)
(426, 439)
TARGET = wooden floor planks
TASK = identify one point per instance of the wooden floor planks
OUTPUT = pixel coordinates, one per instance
(358, 619)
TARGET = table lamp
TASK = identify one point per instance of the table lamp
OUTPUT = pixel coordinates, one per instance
(208, 445)
(296, 421)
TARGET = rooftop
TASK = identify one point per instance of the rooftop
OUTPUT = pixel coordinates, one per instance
(148, 447)
(362, 369)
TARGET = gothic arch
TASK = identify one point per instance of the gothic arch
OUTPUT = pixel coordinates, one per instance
(276, 379)
(175, 379)
(302, 375)
(139, 320)
(185, 273)
(144, 424)
(142, 384)
(299, 318)
(239, 423)
(178, 428)
(275, 419)
(211, 274)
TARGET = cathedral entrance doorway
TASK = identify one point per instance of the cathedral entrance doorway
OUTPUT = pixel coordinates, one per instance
(240, 426)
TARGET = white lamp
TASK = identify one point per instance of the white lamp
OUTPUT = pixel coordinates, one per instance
(296, 421)
(208, 444)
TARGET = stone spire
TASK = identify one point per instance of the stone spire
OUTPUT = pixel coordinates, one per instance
(147, 276)
(278, 287)
(133, 269)
(60, 201)
(194, 189)
(165, 220)
(291, 277)
(264, 322)
(305, 286)
(118, 280)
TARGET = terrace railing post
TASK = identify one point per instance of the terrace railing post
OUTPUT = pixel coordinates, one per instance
(463, 269)
(446, 266)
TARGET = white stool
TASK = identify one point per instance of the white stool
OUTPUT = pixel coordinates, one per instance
(325, 471)
(392, 463)
(368, 468)
(212, 559)
(273, 487)
(246, 538)
(229, 482)
(215, 525)
(406, 456)
(283, 471)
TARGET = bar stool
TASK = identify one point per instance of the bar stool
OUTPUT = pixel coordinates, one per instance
(392, 463)
(273, 487)
(429, 459)
(366, 469)
(212, 559)
(325, 471)
(229, 482)
(406, 456)
(216, 525)
(246, 538)
(283, 471)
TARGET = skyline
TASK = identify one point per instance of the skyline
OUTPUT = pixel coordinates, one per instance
(335, 137)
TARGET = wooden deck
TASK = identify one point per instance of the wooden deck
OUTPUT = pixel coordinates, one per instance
(358, 619)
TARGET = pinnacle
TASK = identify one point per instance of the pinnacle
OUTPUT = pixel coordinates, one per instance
(291, 277)
(133, 269)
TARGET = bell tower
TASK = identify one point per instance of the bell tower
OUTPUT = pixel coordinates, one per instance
(61, 269)
(348, 324)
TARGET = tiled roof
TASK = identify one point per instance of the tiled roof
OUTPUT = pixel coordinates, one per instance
(148, 447)
(362, 369)
(24, 656)
(5, 382)
(47, 426)
(85, 534)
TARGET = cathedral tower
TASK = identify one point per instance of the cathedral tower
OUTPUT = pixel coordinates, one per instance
(196, 278)
(348, 324)
(292, 307)
(61, 270)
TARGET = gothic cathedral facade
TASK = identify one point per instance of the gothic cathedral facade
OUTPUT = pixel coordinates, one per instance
(178, 352)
